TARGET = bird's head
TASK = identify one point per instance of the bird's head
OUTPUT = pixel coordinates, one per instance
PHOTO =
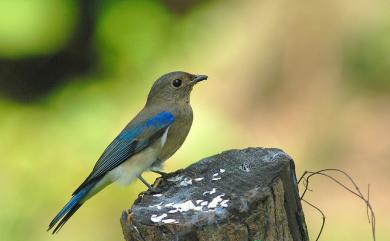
(174, 87)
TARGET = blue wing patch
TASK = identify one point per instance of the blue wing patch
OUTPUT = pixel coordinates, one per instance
(128, 143)
(160, 120)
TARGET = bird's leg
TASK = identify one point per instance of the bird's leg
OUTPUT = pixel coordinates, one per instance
(146, 184)
(160, 173)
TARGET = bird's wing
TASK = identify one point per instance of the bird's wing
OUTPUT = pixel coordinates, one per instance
(129, 142)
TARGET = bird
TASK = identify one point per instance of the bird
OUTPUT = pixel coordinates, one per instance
(145, 143)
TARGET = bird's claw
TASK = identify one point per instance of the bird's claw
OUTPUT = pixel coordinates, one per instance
(152, 190)
(158, 181)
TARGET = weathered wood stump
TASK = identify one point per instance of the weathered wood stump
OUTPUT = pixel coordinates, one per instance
(248, 194)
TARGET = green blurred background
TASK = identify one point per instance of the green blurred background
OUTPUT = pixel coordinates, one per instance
(312, 78)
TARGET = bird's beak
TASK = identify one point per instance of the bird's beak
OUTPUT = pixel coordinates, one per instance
(199, 78)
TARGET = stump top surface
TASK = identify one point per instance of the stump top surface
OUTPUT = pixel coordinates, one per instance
(211, 189)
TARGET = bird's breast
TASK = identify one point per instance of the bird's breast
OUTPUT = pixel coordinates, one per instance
(178, 131)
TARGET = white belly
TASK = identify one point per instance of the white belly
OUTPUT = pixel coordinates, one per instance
(135, 165)
(132, 167)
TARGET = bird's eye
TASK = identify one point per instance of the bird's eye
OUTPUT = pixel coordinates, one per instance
(176, 83)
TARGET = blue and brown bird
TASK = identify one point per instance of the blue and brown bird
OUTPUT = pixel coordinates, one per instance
(152, 137)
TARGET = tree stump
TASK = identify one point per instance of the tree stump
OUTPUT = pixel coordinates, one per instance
(248, 194)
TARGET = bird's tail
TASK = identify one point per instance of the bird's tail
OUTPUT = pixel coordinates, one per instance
(70, 208)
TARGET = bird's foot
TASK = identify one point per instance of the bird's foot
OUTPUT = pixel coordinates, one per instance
(158, 181)
(151, 189)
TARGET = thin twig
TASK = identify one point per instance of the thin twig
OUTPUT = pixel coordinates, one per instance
(323, 218)
(368, 200)
(303, 175)
(370, 212)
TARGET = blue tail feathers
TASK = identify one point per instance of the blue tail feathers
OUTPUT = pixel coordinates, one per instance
(70, 208)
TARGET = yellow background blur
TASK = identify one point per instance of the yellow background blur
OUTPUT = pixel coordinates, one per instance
(309, 77)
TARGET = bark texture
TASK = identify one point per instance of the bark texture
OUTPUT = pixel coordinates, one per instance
(248, 194)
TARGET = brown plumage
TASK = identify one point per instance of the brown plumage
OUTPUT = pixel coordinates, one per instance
(153, 136)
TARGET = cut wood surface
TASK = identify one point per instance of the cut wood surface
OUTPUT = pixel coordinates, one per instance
(248, 194)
